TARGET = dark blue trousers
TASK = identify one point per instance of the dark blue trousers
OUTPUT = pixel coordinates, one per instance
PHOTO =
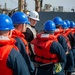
(73, 50)
(70, 62)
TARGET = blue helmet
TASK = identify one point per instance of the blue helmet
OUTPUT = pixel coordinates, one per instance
(49, 26)
(58, 21)
(64, 25)
(68, 23)
(72, 24)
(20, 18)
(5, 22)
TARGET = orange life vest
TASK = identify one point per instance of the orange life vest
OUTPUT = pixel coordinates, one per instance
(41, 48)
(72, 30)
(5, 48)
(67, 31)
(64, 34)
(16, 33)
(58, 32)
(67, 40)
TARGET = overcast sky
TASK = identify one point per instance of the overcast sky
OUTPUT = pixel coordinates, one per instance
(68, 4)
